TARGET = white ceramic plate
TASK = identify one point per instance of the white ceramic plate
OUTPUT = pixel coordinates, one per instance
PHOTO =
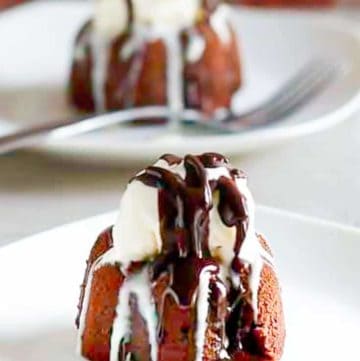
(318, 264)
(38, 40)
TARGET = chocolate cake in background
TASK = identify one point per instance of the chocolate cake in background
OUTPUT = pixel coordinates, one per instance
(132, 54)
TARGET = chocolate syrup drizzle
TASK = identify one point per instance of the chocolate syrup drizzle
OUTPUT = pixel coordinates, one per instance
(184, 213)
(185, 204)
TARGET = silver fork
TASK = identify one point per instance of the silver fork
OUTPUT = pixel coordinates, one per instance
(301, 88)
(306, 83)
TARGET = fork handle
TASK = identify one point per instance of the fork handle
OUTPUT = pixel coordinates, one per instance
(69, 127)
(32, 135)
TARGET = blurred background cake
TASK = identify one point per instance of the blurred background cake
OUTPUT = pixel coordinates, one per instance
(182, 275)
(173, 51)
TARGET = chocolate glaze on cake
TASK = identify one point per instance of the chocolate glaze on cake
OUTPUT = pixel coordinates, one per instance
(187, 301)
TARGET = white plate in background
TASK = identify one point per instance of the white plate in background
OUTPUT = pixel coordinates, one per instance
(318, 264)
(34, 68)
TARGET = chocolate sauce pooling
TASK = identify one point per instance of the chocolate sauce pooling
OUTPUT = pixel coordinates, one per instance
(184, 213)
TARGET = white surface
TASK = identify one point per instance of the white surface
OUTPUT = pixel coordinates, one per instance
(318, 264)
(273, 47)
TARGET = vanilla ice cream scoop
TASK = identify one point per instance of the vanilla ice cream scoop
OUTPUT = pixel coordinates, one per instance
(111, 17)
(174, 14)
(137, 232)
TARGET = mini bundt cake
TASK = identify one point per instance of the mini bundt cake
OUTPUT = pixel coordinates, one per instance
(138, 53)
(182, 275)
